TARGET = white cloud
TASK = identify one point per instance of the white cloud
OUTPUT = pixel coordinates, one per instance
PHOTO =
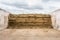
(54, 4)
(34, 2)
(9, 8)
(29, 6)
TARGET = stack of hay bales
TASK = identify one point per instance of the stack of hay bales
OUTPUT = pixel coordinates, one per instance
(29, 21)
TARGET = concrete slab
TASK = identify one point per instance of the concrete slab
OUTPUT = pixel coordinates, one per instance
(30, 34)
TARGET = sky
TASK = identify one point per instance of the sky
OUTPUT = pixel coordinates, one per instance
(30, 6)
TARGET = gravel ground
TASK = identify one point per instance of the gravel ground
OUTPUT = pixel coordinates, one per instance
(30, 34)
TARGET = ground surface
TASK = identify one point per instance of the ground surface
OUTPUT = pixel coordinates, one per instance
(30, 34)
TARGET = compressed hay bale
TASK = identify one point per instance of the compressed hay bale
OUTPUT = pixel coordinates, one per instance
(29, 20)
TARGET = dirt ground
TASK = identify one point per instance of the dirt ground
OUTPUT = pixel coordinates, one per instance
(30, 34)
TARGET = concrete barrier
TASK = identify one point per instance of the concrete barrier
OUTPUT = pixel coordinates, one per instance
(3, 19)
(55, 17)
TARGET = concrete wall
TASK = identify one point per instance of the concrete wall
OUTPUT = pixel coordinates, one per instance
(55, 17)
(3, 19)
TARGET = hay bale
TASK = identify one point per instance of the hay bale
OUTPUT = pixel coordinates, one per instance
(30, 20)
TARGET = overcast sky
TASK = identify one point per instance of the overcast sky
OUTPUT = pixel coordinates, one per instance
(30, 6)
